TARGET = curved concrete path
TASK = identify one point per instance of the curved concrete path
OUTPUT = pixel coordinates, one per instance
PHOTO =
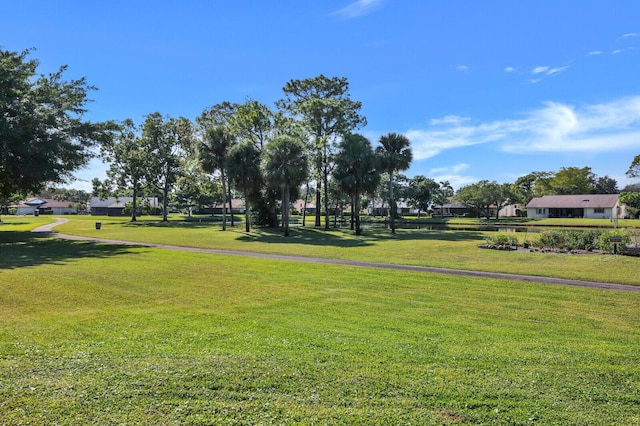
(496, 275)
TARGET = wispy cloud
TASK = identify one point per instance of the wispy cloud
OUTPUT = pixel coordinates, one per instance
(628, 35)
(594, 53)
(453, 174)
(510, 69)
(357, 9)
(555, 127)
(462, 68)
(540, 69)
(557, 70)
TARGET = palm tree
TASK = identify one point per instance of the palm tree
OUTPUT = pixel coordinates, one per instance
(356, 171)
(244, 170)
(286, 166)
(395, 155)
(213, 152)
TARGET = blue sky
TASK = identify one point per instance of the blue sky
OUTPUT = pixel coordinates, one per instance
(483, 89)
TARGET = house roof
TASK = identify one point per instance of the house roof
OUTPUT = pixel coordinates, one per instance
(119, 202)
(575, 201)
(46, 203)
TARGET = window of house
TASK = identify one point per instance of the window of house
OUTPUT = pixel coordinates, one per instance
(540, 211)
(598, 210)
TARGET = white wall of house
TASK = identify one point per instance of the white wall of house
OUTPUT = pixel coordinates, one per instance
(589, 213)
(21, 210)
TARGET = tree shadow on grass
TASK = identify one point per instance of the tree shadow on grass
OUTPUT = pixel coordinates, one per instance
(346, 238)
(22, 249)
(174, 224)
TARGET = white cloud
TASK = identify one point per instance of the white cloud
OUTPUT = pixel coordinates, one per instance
(555, 127)
(357, 9)
(617, 51)
(538, 70)
(594, 52)
(557, 70)
(628, 35)
(462, 68)
(452, 174)
(448, 119)
(510, 69)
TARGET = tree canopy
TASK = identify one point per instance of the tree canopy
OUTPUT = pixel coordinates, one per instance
(43, 136)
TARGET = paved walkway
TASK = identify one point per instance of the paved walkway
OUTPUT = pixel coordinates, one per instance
(529, 278)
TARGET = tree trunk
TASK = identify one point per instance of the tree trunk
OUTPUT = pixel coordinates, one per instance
(247, 221)
(165, 203)
(285, 210)
(326, 201)
(224, 200)
(135, 204)
(304, 208)
(392, 214)
(318, 201)
(231, 207)
(352, 219)
(357, 213)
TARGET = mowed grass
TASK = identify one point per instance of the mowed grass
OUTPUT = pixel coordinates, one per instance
(105, 334)
(437, 248)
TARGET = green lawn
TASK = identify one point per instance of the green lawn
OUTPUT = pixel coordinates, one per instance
(447, 249)
(105, 334)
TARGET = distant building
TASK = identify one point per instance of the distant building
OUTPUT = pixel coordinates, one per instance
(114, 206)
(594, 206)
(45, 206)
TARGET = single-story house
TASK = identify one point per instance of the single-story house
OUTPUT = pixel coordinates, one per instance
(299, 205)
(37, 205)
(237, 206)
(452, 209)
(114, 206)
(594, 206)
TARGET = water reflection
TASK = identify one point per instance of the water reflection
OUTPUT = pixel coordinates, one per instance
(445, 227)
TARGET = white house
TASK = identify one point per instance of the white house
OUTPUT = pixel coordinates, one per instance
(55, 207)
(594, 206)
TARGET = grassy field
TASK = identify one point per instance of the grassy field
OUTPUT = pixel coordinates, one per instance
(447, 249)
(105, 334)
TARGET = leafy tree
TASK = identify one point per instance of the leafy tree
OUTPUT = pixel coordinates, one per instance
(442, 195)
(127, 162)
(213, 153)
(43, 135)
(395, 155)
(165, 141)
(484, 194)
(244, 171)
(634, 168)
(286, 166)
(573, 180)
(195, 189)
(326, 110)
(632, 200)
(221, 117)
(356, 171)
(605, 185)
(421, 192)
(100, 188)
(253, 122)
(522, 190)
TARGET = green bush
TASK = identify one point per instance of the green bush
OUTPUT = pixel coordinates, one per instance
(502, 240)
(608, 247)
(570, 239)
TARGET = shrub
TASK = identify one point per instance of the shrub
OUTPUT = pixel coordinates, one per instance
(502, 240)
(607, 246)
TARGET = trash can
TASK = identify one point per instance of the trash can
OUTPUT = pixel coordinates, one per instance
(98, 225)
